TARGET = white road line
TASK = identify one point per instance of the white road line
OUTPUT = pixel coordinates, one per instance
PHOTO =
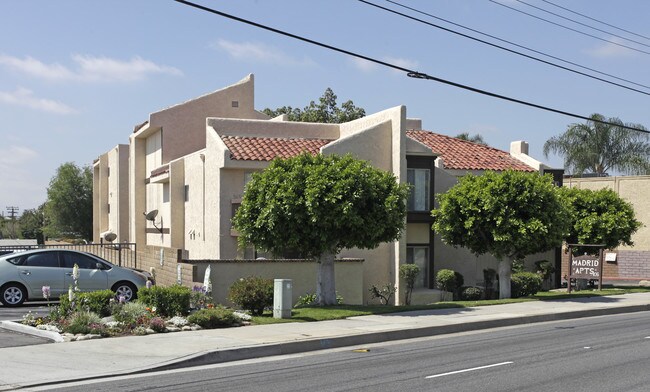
(469, 370)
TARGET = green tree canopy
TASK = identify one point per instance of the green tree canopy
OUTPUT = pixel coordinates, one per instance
(325, 111)
(600, 217)
(509, 215)
(478, 139)
(32, 223)
(318, 205)
(600, 148)
(69, 206)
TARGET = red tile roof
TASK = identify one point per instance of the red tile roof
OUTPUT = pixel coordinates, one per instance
(463, 155)
(267, 148)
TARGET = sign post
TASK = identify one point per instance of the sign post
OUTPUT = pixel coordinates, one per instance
(586, 266)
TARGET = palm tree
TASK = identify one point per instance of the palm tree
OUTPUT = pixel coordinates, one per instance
(595, 147)
(478, 139)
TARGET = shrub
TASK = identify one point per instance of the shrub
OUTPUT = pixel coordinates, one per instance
(157, 324)
(131, 312)
(83, 322)
(545, 268)
(310, 299)
(384, 293)
(305, 300)
(524, 284)
(218, 317)
(471, 293)
(168, 301)
(446, 280)
(200, 298)
(94, 301)
(449, 280)
(252, 293)
(409, 272)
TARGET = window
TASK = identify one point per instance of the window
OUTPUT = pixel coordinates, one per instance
(419, 196)
(83, 261)
(187, 193)
(419, 255)
(165, 189)
(248, 176)
(45, 259)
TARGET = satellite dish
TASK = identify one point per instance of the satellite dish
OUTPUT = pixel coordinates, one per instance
(110, 236)
(151, 215)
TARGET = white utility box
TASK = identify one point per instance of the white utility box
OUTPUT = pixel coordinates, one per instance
(282, 302)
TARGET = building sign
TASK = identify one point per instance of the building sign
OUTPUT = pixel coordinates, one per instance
(585, 267)
(588, 267)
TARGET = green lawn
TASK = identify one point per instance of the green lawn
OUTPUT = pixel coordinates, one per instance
(317, 313)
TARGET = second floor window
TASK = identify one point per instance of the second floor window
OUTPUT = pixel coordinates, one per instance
(419, 197)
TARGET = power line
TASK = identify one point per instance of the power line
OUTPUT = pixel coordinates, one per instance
(581, 24)
(410, 73)
(595, 20)
(569, 28)
(507, 49)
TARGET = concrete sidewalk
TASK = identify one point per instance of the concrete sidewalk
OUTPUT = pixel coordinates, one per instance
(52, 363)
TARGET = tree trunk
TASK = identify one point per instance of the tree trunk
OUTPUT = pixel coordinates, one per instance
(505, 273)
(325, 289)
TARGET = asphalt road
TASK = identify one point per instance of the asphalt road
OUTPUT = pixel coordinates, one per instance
(595, 354)
(13, 339)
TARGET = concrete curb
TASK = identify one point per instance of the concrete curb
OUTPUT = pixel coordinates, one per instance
(28, 330)
(251, 352)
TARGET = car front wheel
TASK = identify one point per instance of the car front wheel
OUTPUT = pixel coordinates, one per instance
(126, 290)
(13, 294)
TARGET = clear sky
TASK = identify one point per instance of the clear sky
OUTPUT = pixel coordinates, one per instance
(77, 75)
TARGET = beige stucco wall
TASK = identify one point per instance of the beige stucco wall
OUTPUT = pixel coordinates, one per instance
(348, 277)
(184, 124)
(383, 132)
(634, 189)
(118, 190)
(177, 203)
(100, 197)
(418, 233)
(282, 129)
(194, 217)
(371, 144)
(137, 190)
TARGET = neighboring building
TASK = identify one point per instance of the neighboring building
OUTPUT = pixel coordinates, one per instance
(190, 163)
(631, 263)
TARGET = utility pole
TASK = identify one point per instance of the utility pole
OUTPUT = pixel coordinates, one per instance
(13, 212)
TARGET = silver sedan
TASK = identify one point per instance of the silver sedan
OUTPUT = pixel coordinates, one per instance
(23, 275)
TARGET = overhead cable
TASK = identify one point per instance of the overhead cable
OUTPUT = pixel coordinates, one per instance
(596, 20)
(569, 28)
(510, 43)
(581, 24)
(409, 72)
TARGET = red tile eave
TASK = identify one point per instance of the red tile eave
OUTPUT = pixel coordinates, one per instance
(266, 149)
(460, 154)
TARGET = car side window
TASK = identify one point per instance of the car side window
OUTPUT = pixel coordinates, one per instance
(83, 261)
(15, 260)
(45, 259)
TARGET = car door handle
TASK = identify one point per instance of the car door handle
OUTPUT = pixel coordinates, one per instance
(25, 272)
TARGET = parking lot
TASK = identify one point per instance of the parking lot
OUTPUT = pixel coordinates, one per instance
(14, 339)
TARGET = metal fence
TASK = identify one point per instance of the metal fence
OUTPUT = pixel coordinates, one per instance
(123, 254)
